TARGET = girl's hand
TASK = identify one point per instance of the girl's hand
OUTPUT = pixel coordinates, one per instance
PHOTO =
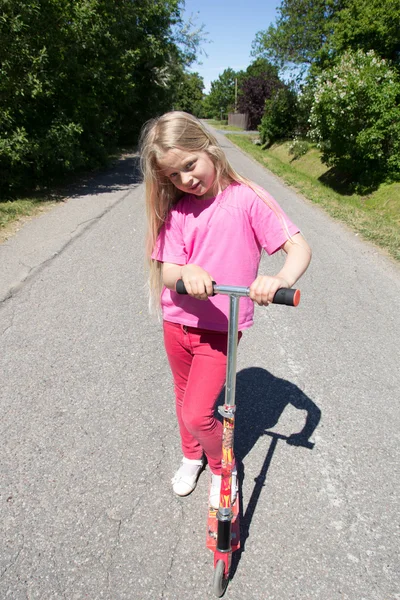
(198, 282)
(264, 288)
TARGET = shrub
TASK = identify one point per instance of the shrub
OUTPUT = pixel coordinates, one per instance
(77, 78)
(279, 119)
(355, 117)
(298, 148)
(14, 157)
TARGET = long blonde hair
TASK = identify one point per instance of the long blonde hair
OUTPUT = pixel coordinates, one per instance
(184, 131)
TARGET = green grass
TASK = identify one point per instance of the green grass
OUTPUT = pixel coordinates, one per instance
(376, 216)
(17, 211)
(13, 213)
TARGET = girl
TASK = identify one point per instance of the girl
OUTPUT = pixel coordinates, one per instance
(205, 223)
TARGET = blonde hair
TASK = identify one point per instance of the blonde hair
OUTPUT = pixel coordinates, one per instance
(181, 130)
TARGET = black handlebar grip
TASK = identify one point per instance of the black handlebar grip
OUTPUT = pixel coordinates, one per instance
(180, 287)
(287, 296)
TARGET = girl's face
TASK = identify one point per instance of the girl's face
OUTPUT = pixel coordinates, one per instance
(190, 172)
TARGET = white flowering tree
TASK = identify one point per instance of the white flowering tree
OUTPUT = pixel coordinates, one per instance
(355, 117)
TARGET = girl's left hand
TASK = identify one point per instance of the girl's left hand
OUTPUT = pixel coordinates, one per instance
(264, 288)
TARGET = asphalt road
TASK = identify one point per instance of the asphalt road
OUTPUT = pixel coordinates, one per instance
(89, 440)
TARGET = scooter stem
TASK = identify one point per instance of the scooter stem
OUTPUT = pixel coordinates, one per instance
(230, 388)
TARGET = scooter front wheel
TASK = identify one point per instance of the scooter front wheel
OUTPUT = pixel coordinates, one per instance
(220, 581)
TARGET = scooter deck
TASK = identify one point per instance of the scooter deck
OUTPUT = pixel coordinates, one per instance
(212, 527)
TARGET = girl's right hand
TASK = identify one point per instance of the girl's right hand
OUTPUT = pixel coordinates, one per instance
(198, 283)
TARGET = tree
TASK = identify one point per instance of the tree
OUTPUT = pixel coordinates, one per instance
(76, 78)
(207, 111)
(368, 25)
(221, 99)
(316, 32)
(313, 35)
(259, 82)
(260, 66)
(301, 30)
(280, 116)
(189, 95)
(355, 117)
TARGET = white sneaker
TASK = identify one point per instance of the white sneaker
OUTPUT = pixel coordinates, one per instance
(216, 489)
(185, 479)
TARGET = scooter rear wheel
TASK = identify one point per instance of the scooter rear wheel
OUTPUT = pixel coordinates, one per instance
(219, 582)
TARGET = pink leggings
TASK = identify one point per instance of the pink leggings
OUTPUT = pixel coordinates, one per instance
(198, 362)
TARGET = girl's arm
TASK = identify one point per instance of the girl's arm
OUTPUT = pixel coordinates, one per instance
(198, 282)
(263, 289)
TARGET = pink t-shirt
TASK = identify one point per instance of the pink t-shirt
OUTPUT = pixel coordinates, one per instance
(225, 236)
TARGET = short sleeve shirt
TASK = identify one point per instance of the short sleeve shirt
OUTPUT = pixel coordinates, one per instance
(225, 236)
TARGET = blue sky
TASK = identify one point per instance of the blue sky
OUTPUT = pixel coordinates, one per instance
(232, 26)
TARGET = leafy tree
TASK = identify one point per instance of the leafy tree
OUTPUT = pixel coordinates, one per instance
(368, 25)
(317, 32)
(207, 111)
(189, 94)
(221, 99)
(78, 77)
(355, 117)
(280, 116)
(257, 84)
(314, 34)
(260, 66)
(301, 29)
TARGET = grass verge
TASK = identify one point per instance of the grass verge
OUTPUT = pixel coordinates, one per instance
(15, 213)
(376, 216)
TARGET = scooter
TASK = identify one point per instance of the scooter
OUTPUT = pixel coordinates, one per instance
(223, 528)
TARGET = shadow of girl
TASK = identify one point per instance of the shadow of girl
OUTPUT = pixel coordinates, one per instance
(261, 399)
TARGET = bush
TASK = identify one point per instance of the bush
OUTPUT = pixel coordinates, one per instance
(298, 148)
(279, 119)
(14, 157)
(355, 117)
(78, 78)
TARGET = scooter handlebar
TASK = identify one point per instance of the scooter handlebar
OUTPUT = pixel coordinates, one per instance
(287, 296)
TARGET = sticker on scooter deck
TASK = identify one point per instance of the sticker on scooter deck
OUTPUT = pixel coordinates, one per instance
(212, 527)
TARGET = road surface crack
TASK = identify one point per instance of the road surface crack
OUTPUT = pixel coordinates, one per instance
(14, 560)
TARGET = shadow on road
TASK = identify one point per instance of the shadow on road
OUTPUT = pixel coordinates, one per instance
(122, 174)
(261, 399)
